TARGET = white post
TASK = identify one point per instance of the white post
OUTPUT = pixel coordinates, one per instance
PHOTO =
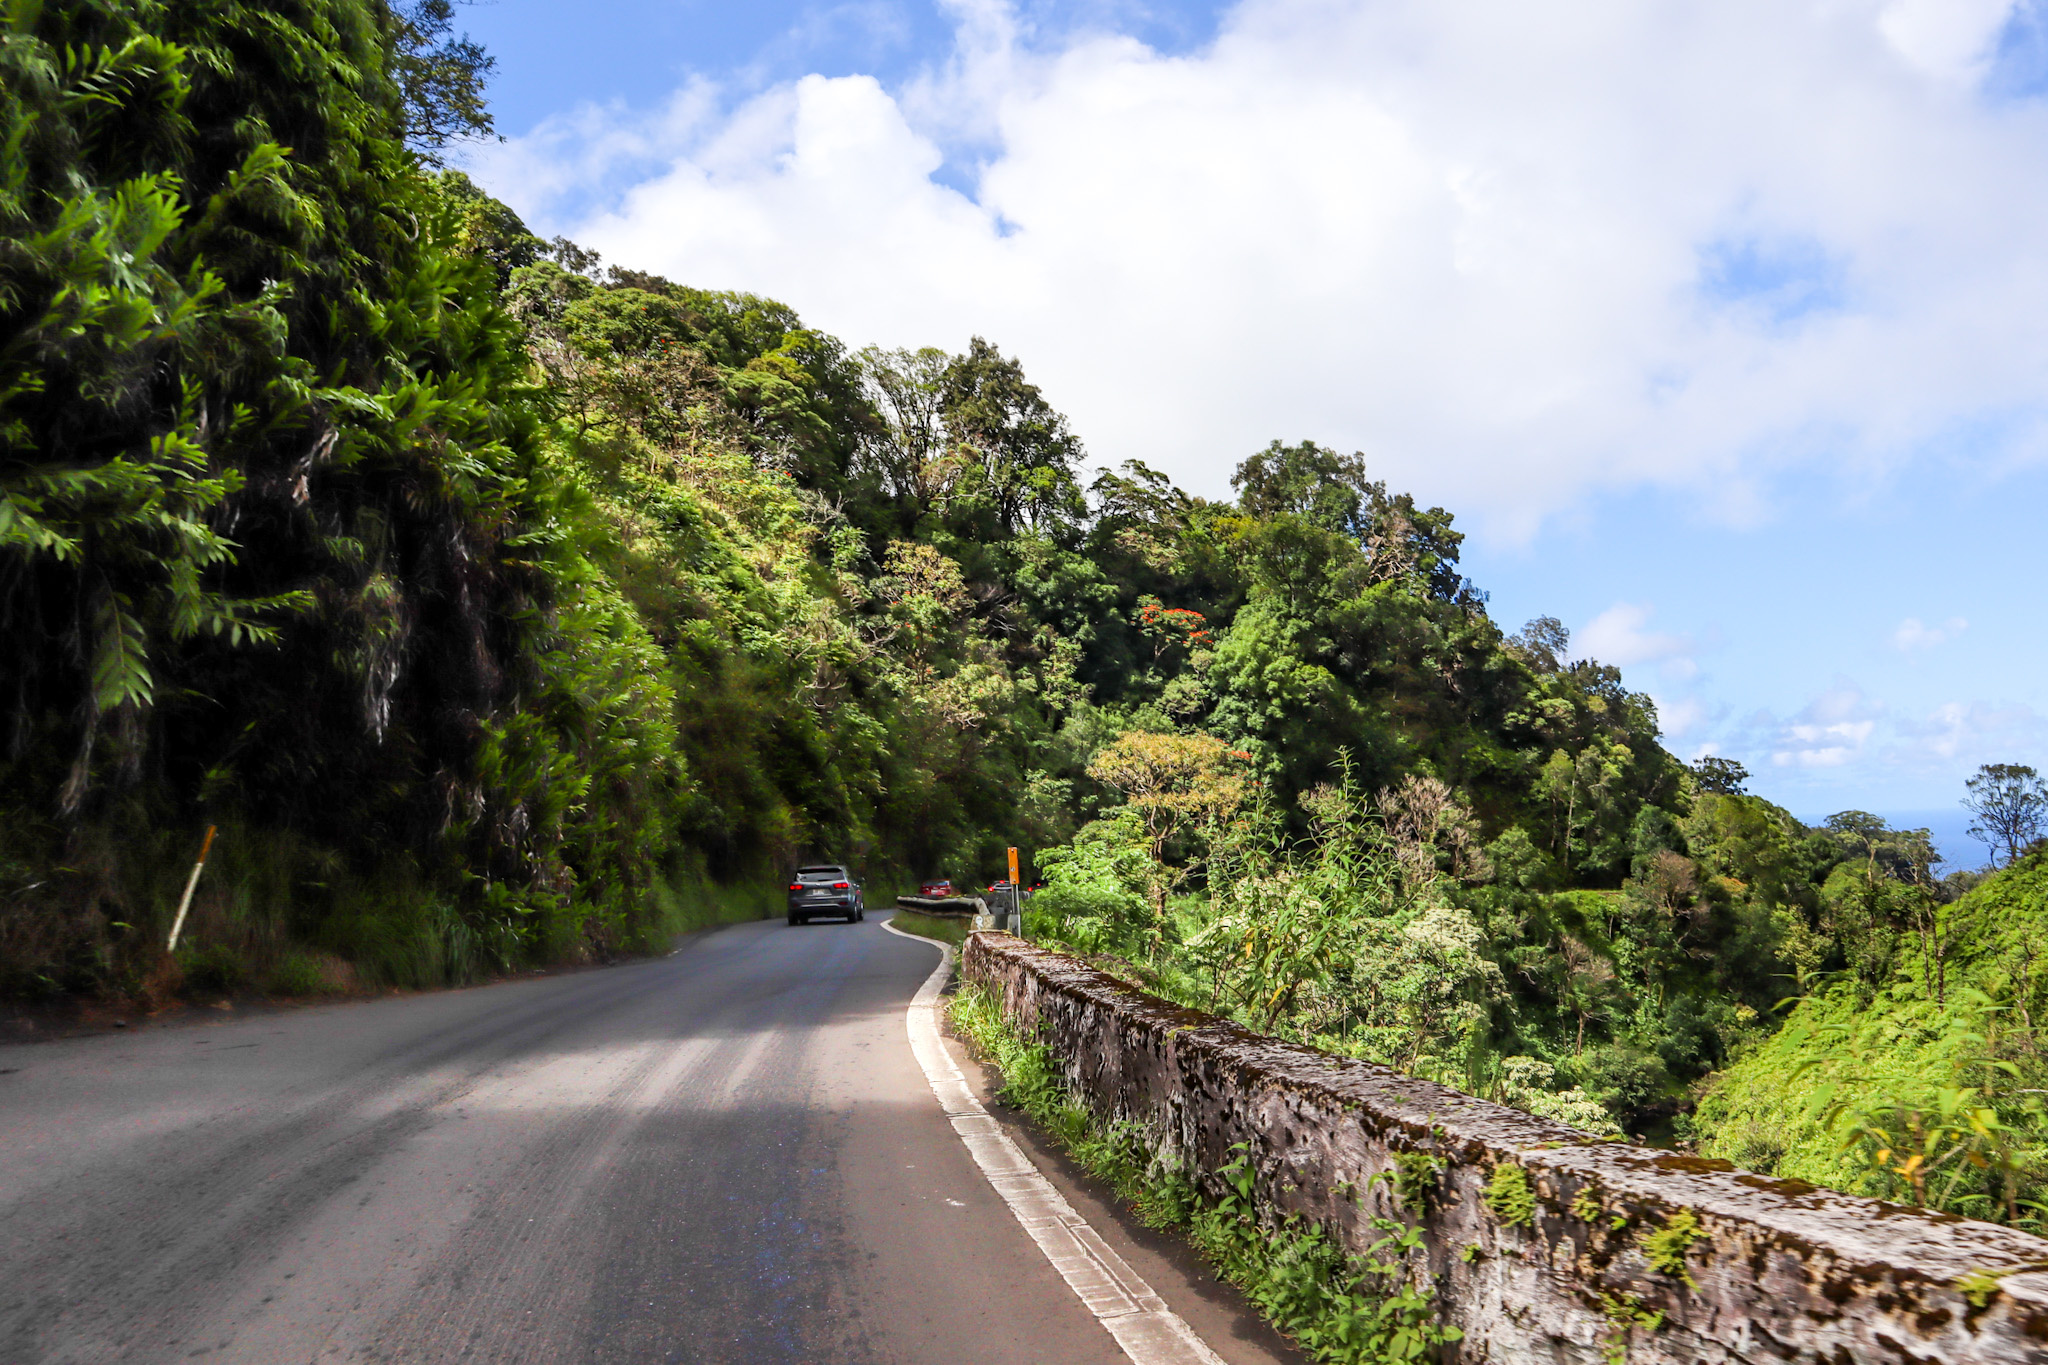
(191, 884)
(1016, 897)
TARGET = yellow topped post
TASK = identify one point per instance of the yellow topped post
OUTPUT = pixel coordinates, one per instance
(1016, 897)
(178, 924)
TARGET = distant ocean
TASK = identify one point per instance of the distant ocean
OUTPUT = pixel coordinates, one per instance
(1950, 828)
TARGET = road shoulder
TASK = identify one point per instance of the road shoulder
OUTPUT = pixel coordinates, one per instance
(1217, 1312)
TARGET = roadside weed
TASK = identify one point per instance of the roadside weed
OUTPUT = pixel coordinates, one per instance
(1509, 1196)
(1340, 1308)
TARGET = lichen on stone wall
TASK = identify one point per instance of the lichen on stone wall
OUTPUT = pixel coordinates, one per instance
(1732, 1266)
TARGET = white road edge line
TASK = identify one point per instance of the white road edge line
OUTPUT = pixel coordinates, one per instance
(1149, 1332)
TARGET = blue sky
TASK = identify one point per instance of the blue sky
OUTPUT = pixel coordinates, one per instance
(552, 56)
(1722, 329)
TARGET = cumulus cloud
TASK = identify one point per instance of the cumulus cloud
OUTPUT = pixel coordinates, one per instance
(1678, 717)
(1829, 732)
(1945, 38)
(1514, 253)
(1620, 636)
(1913, 635)
(1974, 732)
(1845, 741)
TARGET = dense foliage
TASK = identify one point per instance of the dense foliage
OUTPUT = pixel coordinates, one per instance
(503, 608)
(1917, 1075)
(279, 550)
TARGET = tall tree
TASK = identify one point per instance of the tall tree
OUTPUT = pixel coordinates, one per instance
(441, 75)
(907, 451)
(1313, 482)
(1023, 449)
(1401, 541)
(1544, 644)
(1725, 777)
(2010, 803)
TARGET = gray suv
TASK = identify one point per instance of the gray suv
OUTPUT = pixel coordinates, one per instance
(825, 890)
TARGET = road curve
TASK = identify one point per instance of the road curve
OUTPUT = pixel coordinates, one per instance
(729, 1154)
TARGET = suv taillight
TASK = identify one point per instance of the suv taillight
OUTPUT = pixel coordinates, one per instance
(842, 886)
(796, 886)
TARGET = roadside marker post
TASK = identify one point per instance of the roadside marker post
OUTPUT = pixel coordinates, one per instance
(191, 884)
(1016, 898)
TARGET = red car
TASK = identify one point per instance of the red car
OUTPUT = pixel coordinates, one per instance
(937, 886)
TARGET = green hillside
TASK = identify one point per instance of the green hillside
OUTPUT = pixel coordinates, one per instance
(1921, 1080)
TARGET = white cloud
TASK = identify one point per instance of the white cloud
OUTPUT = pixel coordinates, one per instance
(592, 148)
(1948, 38)
(1515, 253)
(1830, 732)
(1972, 732)
(1677, 717)
(1847, 744)
(1619, 636)
(1912, 634)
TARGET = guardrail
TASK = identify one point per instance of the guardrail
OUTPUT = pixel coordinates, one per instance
(975, 908)
(1541, 1242)
(944, 905)
(950, 919)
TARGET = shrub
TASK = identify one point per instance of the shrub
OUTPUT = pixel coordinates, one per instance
(213, 969)
(300, 974)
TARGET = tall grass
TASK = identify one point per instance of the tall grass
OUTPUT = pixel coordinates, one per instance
(87, 915)
(940, 930)
(690, 900)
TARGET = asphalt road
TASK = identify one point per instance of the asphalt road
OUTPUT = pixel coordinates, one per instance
(729, 1154)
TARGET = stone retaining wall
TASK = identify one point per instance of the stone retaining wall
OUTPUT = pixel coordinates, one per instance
(1779, 1272)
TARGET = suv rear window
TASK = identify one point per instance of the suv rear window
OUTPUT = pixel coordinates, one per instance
(821, 874)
